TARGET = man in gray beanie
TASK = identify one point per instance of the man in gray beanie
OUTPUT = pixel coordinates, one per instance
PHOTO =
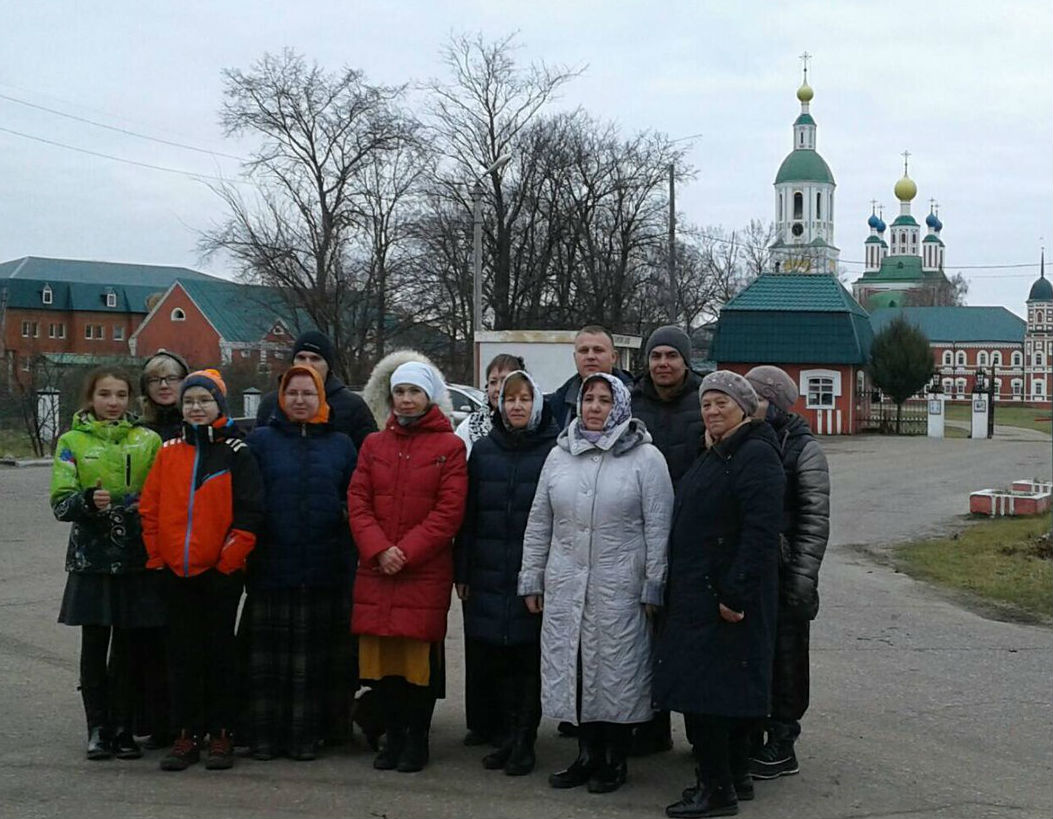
(665, 399)
(806, 529)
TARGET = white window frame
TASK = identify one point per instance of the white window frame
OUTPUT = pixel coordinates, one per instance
(981, 358)
(1017, 385)
(996, 358)
(177, 314)
(948, 358)
(111, 299)
(805, 385)
(960, 359)
(118, 332)
(1017, 359)
(47, 295)
(959, 387)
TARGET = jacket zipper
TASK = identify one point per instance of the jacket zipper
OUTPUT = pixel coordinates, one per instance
(190, 513)
(128, 473)
(508, 514)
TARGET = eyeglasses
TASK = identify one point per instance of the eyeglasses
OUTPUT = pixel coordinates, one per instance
(197, 402)
(167, 380)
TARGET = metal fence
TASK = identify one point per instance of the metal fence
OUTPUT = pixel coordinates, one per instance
(878, 414)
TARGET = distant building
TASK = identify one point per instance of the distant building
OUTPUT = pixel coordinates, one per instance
(69, 311)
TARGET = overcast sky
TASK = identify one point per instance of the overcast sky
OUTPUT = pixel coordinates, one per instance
(965, 87)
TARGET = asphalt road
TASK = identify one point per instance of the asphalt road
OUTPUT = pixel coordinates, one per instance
(920, 707)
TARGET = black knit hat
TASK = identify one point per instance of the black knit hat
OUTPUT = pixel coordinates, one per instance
(670, 336)
(315, 341)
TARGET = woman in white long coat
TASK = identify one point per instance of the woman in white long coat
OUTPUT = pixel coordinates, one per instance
(594, 562)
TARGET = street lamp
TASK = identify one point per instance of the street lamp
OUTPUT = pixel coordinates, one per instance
(477, 256)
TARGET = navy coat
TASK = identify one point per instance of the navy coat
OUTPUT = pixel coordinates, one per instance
(306, 540)
(348, 413)
(723, 548)
(503, 472)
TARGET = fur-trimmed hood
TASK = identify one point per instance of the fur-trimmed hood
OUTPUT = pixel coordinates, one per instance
(377, 392)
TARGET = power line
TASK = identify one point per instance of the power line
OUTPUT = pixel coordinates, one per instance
(190, 174)
(126, 131)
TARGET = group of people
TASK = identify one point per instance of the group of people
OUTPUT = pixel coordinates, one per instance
(621, 548)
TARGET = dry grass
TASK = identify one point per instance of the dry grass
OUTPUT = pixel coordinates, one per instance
(1008, 561)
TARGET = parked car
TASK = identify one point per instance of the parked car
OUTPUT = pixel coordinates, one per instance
(465, 400)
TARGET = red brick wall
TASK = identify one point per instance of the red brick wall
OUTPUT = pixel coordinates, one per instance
(193, 338)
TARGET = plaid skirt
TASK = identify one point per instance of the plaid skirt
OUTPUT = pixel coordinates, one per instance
(297, 640)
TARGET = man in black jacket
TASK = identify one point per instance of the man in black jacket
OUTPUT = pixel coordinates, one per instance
(805, 531)
(593, 353)
(348, 413)
(665, 398)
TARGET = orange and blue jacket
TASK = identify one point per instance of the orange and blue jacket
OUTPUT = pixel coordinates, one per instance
(202, 504)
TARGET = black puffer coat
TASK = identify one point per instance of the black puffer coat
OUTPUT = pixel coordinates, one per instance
(348, 413)
(306, 540)
(723, 548)
(806, 516)
(503, 472)
(675, 425)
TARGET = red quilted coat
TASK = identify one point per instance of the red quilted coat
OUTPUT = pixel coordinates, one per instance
(408, 490)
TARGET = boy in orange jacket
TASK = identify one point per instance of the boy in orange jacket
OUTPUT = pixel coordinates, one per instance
(201, 508)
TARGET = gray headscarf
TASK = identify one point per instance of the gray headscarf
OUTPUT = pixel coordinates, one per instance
(619, 417)
(536, 409)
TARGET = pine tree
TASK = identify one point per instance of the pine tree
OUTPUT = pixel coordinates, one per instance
(901, 362)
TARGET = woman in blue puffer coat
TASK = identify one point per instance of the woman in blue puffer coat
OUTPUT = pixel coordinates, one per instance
(300, 569)
(503, 471)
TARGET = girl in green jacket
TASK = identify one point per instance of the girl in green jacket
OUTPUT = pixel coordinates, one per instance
(99, 470)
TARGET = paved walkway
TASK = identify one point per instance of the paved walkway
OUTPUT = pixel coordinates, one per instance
(920, 708)
(1007, 433)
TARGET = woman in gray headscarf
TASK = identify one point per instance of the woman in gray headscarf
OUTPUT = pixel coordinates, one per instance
(594, 562)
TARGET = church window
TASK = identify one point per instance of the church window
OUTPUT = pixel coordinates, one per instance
(981, 358)
(798, 205)
(802, 138)
(1038, 317)
(780, 207)
(1040, 359)
(1018, 359)
(959, 359)
(47, 296)
(1018, 387)
(948, 358)
(996, 359)
(818, 206)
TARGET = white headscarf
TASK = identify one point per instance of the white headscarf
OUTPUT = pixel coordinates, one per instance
(420, 375)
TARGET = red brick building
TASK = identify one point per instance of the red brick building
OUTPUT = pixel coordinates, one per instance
(68, 311)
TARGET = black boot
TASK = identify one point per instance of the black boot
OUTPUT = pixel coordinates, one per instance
(388, 692)
(653, 736)
(522, 759)
(419, 706)
(705, 800)
(614, 770)
(582, 768)
(510, 719)
(99, 744)
(777, 757)
(124, 745)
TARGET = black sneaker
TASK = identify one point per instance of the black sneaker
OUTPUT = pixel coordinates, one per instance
(220, 753)
(183, 754)
(775, 759)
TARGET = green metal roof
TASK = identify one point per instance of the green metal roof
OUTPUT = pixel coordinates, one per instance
(792, 319)
(898, 269)
(875, 240)
(932, 237)
(1041, 290)
(88, 272)
(961, 324)
(804, 119)
(904, 219)
(240, 312)
(804, 165)
(28, 294)
(886, 299)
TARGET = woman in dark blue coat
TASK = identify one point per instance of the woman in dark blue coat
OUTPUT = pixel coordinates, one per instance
(714, 655)
(502, 476)
(300, 570)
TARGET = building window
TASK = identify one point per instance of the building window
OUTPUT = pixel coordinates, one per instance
(948, 386)
(30, 329)
(959, 358)
(1038, 317)
(87, 331)
(47, 296)
(178, 314)
(821, 388)
(1039, 389)
(245, 353)
(959, 388)
(118, 333)
(1040, 359)
(818, 206)
(1018, 359)
(94, 331)
(996, 359)
(981, 358)
(998, 388)
(57, 330)
(780, 207)
(264, 368)
(948, 358)
(111, 299)
(1018, 387)
(798, 205)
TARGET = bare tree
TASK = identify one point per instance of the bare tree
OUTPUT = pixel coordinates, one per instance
(318, 133)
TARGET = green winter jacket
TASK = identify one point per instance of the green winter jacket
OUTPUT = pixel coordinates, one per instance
(119, 454)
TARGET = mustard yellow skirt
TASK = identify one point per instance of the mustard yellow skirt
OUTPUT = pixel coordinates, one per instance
(380, 657)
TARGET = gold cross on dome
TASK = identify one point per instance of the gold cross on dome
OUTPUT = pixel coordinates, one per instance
(906, 156)
(805, 57)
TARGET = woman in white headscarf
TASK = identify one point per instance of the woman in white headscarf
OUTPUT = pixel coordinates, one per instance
(594, 562)
(405, 502)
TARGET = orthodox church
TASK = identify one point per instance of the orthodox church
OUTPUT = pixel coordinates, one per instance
(800, 317)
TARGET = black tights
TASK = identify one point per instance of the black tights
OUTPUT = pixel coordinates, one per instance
(106, 659)
(722, 746)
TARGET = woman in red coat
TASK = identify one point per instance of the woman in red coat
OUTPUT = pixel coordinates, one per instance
(405, 502)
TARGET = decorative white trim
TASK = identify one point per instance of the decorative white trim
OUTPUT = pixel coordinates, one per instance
(807, 375)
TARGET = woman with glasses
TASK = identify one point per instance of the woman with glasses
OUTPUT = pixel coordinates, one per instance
(201, 509)
(162, 375)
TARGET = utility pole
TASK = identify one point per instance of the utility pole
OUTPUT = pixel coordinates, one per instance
(672, 244)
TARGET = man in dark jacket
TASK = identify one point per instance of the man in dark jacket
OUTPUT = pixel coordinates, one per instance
(348, 412)
(805, 531)
(593, 353)
(665, 398)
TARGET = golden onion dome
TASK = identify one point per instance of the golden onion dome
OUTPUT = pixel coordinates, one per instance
(805, 92)
(905, 189)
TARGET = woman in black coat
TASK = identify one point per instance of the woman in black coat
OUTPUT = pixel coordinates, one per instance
(714, 655)
(503, 472)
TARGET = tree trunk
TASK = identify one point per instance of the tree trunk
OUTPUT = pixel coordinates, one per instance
(899, 413)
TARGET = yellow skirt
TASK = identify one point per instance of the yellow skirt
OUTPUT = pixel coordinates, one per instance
(380, 657)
